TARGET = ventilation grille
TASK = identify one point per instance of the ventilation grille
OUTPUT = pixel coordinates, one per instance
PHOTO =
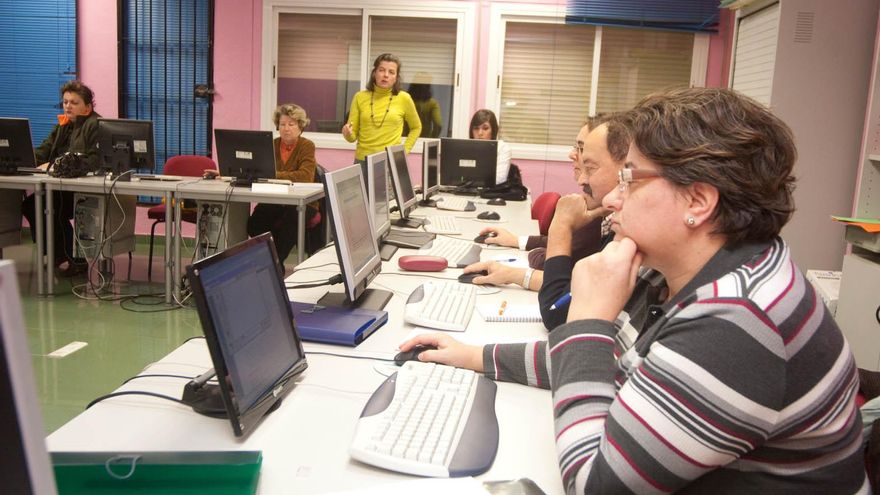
(803, 27)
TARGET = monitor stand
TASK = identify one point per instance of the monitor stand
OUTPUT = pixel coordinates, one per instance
(407, 222)
(430, 203)
(386, 251)
(374, 299)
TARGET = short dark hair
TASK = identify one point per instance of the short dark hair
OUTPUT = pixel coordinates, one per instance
(80, 89)
(722, 138)
(385, 57)
(480, 117)
(617, 138)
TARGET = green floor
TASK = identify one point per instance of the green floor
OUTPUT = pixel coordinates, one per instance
(121, 342)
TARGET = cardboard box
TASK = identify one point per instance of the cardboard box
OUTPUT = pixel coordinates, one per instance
(827, 285)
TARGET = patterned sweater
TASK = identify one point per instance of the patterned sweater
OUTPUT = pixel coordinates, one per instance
(382, 126)
(741, 383)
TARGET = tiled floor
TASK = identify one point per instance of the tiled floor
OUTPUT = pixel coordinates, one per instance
(121, 338)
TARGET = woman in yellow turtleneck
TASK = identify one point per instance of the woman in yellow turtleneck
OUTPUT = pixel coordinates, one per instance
(377, 113)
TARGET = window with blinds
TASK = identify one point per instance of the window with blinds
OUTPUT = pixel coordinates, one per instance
(545, 89)
(754, 57)
(548, 70)
(37, 56)
(319, 61)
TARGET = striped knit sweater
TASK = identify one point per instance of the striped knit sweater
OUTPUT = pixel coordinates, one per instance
(741, 383)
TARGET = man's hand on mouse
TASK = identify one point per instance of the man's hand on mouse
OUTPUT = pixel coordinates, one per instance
(502, 237)
(210, 173)
(499, 274)
(448, 351)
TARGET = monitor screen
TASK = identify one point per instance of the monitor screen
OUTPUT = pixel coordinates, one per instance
(403, 189)
(430, 168)
(468, 161)
(356, 244)
(377, 189)
(16, 147)
(245, 155)
(125, 145)
(25, 467)
(248, 324)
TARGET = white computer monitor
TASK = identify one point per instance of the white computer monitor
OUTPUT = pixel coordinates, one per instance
(403, 188)
(377, 189)
(356, 244)
(25, 467)
(430, 171)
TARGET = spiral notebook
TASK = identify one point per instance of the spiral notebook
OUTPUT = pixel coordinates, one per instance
(519, 313)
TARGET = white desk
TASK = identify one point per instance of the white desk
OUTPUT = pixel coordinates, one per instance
(305, 442)
(35, 182)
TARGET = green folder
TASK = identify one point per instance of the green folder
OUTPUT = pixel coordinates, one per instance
(184, 473)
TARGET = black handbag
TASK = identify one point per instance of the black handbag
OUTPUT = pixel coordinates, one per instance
(69, 166)
(510, 190)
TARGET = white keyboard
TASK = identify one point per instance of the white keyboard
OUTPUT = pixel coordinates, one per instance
(429, 420)
(441, 305)
(458, 253)
(442, 224)
(455, 204)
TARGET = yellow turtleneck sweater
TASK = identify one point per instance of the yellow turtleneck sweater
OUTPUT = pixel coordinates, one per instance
(382, 127)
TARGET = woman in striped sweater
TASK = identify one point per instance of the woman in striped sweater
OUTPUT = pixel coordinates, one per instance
(706, 363)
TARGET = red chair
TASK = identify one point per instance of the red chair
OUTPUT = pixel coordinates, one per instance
(187, 166)
(543, 209)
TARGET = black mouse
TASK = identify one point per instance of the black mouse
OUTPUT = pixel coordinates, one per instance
(468, 278)
(412, 354)
(481, 239)
(496, 202)
(489, 215)
(209, 177)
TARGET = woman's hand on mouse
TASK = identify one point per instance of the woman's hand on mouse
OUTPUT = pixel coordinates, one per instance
(502, 237)
(497, 273)
(447, 351)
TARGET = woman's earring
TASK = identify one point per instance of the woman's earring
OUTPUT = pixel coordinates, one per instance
(691, 221)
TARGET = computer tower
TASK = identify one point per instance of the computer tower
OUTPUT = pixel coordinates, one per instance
(220, 225)
(103, 219)
(10, 217)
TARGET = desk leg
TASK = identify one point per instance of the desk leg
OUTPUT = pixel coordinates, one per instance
(169, 266)
(50, 243)
(300, 233)
(39, 219)
(175, 268)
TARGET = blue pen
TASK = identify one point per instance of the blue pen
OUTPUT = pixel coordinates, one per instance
(509, 260)
(562, 301)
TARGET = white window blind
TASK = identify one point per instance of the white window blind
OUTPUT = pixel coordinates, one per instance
(545, 88)
(755, 53)
(638, 62)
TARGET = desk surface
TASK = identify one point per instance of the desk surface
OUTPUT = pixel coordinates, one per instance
(305, 442)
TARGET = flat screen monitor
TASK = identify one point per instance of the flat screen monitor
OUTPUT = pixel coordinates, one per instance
(403, 188)
(125, 145)
(468, 161)
(430, 171)
(249, 328)
(246, 155)
(16, 147)
(356, 245)
(377, 190)
(25, 467)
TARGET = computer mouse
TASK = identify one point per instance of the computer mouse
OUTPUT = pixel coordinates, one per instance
(468, 278)
(412, 354)
(209, 176)
(422, 263)
(481, 239)
(496, 202)
(489, 215)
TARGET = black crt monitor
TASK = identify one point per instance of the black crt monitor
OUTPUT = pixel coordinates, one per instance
(430, 171)
(377, 190)
(25, 467)
(246, 155)
(16, 146)
(356, 246)
(249, 328)
(470, 162)
(403, 188)
(125, 145)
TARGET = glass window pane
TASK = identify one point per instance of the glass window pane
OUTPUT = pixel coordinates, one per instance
(426, 48)
(318, 65)
(637, 62)
(545, 89)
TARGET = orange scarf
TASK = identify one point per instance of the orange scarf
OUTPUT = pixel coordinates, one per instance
(286, 151)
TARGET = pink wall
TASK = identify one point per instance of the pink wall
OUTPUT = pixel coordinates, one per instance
(98, 67)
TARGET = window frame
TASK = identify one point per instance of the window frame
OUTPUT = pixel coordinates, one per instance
(501, 13)
(463, 12)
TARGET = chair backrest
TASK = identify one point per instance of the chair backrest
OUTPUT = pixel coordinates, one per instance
(543, 209)
(188, 165)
